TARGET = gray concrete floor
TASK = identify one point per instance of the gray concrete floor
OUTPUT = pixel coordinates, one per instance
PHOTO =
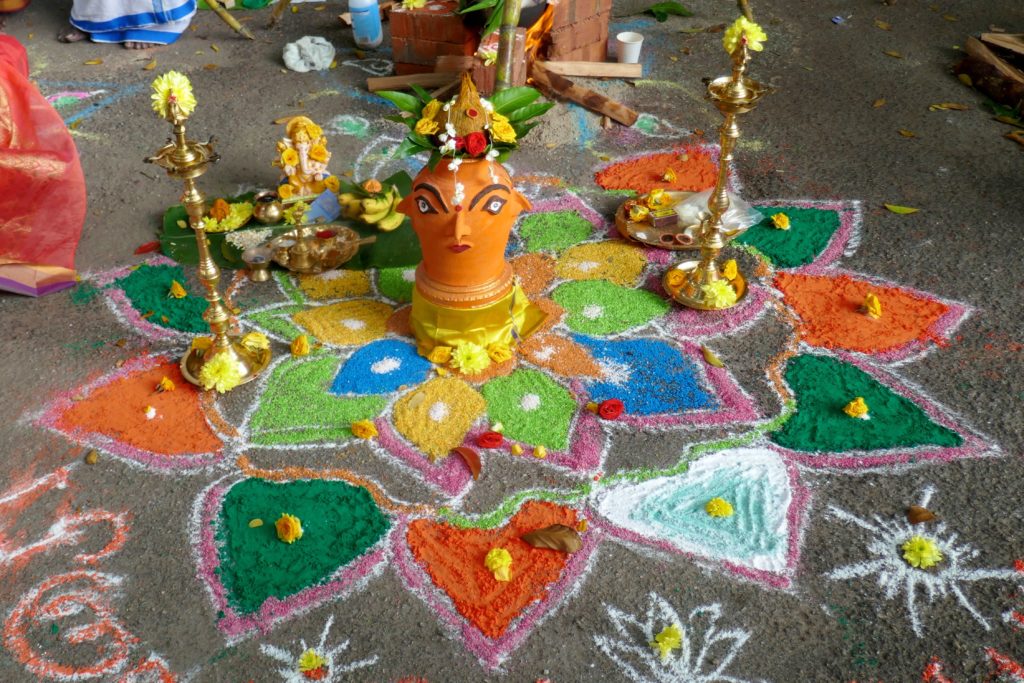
(816, 137)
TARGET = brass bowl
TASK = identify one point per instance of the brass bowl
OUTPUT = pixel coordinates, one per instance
(690, 295)
(316, 248)
(267, 208)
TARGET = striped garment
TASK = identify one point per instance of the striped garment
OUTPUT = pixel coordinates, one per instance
(143, 21)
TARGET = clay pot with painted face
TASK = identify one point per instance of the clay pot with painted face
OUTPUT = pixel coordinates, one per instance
(463, 219)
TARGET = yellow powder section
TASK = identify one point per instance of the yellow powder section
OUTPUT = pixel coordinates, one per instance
(346, 323)
(335, 284)
(618, 262)
(436, 417)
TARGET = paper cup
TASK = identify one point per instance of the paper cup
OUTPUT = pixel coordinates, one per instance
(628, 47)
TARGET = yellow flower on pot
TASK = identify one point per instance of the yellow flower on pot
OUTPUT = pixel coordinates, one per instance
(426, 126)
(501, 129)
(288, 527)
(222, 372)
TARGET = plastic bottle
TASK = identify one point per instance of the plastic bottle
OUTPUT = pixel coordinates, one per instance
(366, 26)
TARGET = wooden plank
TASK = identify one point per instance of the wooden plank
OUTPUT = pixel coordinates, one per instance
(429, 80)
(1010, 41)
(976, 49)
(594, 101)
(595, 69)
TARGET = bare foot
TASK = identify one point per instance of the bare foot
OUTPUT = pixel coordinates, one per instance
(70, 34)
(136, 45)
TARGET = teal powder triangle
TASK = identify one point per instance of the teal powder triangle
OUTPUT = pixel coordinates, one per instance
(340, 522)
(823, 386)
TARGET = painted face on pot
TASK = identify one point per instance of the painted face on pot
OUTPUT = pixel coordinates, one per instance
(463, 231)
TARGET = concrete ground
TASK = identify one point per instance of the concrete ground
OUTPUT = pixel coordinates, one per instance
(816, 137)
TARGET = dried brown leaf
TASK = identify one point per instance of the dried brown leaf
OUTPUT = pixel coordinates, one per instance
(471, 458)
(214, 47)
(966, 80)
(918, 515)
(209, 67)
(880, 102)
(950, 17)
(1009, 120)
(555, 537)
(907, 133)
(1016, 135)
(150, 66)
(92, 62)
(948, 106)
(893, 53)
(92, 457)
(711, 358)
(884, 25)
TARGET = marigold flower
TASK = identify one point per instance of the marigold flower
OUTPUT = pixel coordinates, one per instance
(921, 552)
(426, 126)
(176, 291)
(499, 353)
(332, 183)
(718, 507)
(858, 407)
(220, 209)
(719, 294)
(729, 269)
(165, 384)
(516, 449)
(440, 355)
(172, 87)
(780, 221)
(364, 429)
(222, 372)
(592, 407)
(289, 157)
(656, 198)
(470, 359)
(300, 346)
(669, 176)
(288, 527)
(638, 213)
(740, 29)
(540, 452)
(499, 562)
(872, 307)
(675, 278)
(670, 638)
(285, 191)
(319, 153)
(310, 661)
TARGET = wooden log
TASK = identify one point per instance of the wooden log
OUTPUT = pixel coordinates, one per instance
(454, 63)
(279, 8)
(595, 69)
(219, 10)
(988, 73)
(594, 101)
(1008, 41)
(428, 80)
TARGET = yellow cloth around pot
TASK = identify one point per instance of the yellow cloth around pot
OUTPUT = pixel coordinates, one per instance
(506, 321)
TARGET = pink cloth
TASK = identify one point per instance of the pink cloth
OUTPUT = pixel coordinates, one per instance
(42, 189)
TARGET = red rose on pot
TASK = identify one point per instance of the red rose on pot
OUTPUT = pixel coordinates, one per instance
(610, 408)
(460, 143)
(489, 440)
(476, 143)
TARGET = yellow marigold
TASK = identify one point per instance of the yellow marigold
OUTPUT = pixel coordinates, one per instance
(165, 384)
(289, 157)
(592, 407)
(296, 213)
(540, 452)
(675, 278)
(499, 353)
(310, 661)
(220, 209)
(872, 307)
(501, 129)
(202, 344)
(300, 345)
(440, 355)
(638, 213)
(430, 109)
(373, 186)
(780, 221)
(744, 28)
(670, 638)
(221, 372)
(516, 449)
(363, 429)
(470, 358)
(318, 153)
(921, 552)
(289, 528)
(718, 507)
(176, 291)
(729, 269)
(255, 341)
(719, 294)
(172, 87)
(285, 191)
(332, 183)
(858, 407)
(669, 176)
(499, 562)
(657, 198)
(426, 126)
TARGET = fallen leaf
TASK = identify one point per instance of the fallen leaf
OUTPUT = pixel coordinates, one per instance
(255, 523)
(673, 58)
(150, 66)
(907, 133)
(93, 62)
(717, 28)
(950, 17)
(880, 102)
(693, 29)
(214, 47)
(917, 514)
(147, 314)
(121, 343)
(319, 8)
(1016, 135)
(996, 29)
(893, 53)
(92, 457)
(884, 25)
(209, 67)
(1010, 120)
(471, 458)
(902, 210)
(711, 358)
(555, 537)
(148, 247)
(966, 80)
(948, 106)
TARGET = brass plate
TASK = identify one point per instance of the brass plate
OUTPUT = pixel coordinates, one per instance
(689, 296)
(646, 233)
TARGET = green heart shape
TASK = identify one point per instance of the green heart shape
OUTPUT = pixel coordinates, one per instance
(297, 408)
(340, 522)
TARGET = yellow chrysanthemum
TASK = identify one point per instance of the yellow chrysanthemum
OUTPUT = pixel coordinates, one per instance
(332, 183)
(288, 527)
(740, 28)
(426, 126)
(318, 153)
(718, 507)
(501, 129)
(858, 407)
(289, 157)
(172, 87)
(499, 353)
(921, 552)
(470, 358)
(310, 661)
(780, 221)
(364, 429)
(670, 638)
(719, 294)
(165, 384)
(730, 270)
(222, 372)
(499, 562)
(239, 214)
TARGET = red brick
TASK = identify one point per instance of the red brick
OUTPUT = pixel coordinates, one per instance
(414, 51)
(437, 21)
(593, 29)
(408, 69)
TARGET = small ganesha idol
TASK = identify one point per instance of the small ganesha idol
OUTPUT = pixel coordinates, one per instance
(303, 158)
(467, 308)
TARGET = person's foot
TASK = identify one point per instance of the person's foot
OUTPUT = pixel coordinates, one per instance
(136, 45)
(70, 34)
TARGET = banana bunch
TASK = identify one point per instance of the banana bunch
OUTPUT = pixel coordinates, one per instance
(377, 209)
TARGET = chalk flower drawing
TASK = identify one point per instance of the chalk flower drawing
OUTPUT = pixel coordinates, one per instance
(894, 575)
(704, 655)
(290, 671)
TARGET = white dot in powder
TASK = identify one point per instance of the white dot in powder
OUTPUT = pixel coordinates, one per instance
(593, 311)
(385, 365)
(353, 323)
(438, 411)
(529, 402)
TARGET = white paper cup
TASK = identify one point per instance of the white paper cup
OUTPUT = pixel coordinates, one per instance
(627, 47)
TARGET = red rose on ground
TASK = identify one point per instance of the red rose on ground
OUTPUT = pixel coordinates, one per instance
(610, 408)
(489, 440)
(476, 143)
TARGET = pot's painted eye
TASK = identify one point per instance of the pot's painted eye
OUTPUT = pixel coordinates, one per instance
(424, 206)
(494, 205)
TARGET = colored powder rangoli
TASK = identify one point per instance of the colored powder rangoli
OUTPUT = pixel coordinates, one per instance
(554, 230)
(809, 234)
(346, 323)
(602, 307)
(533, 408)
(616, 262)
(694, 170)
(436, 416)
(147, 287)
(335, 284)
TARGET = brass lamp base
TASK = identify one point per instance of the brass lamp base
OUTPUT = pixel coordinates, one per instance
(253, 362)
(691, 294)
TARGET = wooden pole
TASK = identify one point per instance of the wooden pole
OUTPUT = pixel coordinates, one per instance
(279, 9)
(507, 43)
(745, 8)
(592, 100)
(229, 20)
